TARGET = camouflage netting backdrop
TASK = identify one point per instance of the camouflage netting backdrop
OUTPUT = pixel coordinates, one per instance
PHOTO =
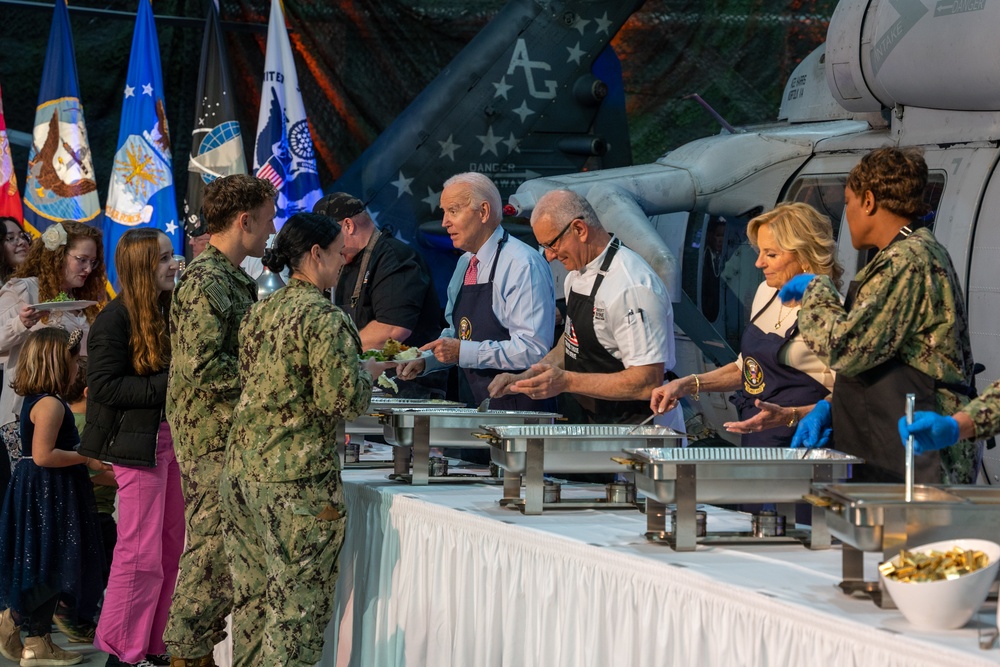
(360, 62)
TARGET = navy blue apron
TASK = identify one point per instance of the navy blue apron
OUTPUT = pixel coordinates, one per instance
(767, 379)
(473, 316)
(585, 354)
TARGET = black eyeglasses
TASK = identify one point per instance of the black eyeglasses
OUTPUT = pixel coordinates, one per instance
(551, 244)
(13, 239)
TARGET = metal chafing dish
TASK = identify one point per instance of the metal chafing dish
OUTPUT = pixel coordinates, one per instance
(530, 451)
(694, 475)
(417, 429)
(367, 423)
(877, 518)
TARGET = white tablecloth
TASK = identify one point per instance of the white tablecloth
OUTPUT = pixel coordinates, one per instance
(442, 576)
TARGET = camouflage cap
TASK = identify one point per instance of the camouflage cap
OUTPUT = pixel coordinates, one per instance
(339, 205)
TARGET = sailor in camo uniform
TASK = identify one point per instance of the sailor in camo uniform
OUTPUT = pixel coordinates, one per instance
(281, 486)
(902, 329)
(207, 306)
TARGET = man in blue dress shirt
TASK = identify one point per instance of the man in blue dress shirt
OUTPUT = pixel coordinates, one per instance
(501, 300)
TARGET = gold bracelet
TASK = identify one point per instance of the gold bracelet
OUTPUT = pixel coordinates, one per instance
(795, 417)
(697, 387)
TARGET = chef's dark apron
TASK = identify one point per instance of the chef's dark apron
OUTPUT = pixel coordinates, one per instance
(473, 317)
(767, 379)
(867, 408)
(585, 354)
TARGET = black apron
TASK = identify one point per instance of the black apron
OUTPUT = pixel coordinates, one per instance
(585, 354)
(473, 317)
(767, 379)
(867, 408)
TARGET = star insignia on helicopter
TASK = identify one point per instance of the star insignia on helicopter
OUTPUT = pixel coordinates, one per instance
(489, 140)
(448, 147)
(502, 87)
(524, 110)
(575, 53)
(403, 185)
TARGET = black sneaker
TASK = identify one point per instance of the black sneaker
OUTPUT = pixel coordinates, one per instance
(113, 661)
(158, 659)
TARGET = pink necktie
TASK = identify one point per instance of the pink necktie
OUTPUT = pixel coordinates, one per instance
(472, 273)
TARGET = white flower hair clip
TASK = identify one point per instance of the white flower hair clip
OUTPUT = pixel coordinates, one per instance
(54, 237)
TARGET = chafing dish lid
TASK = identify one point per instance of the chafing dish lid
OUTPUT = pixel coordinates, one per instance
(709, 455)
(471, 412)
(582, 431)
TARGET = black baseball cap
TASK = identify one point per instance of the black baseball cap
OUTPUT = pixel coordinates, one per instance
(339, 205)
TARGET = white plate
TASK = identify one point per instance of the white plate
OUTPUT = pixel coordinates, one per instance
(63, 305)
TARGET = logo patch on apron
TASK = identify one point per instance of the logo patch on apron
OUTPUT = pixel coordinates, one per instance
(571, 346)
(465, 329)
(753, 376)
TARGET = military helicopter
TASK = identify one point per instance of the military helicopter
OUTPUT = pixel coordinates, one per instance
(890, 73)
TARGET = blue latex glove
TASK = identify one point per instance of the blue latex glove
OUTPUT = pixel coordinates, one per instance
(815, 428)
(930, 431)
(795, 288)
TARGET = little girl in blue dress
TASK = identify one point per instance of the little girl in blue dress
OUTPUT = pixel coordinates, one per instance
(50, 542)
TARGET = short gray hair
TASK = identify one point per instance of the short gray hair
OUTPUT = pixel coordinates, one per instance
(564, 206)
(481, 189)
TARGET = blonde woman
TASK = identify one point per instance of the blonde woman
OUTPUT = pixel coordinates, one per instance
(126, 426)
(776, 379)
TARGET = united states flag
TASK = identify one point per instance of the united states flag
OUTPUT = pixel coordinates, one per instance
(270, 173)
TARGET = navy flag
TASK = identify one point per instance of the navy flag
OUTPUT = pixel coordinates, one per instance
(284, 149)
(216, 144)
(141, 193)
(60, 181)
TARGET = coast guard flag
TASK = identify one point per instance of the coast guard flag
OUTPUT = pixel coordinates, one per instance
(284, 151)
(216, 144)
(10, 199)
(141, 193)
(60, 181)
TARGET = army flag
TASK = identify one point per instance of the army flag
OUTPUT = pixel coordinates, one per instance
(141, 193)
(10, 199)
(284, 149)
(60, 181)
(216, 144)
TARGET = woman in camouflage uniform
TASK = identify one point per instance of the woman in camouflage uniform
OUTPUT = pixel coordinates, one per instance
(281, 483)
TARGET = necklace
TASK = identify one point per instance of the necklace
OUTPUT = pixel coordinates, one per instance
(781, 318)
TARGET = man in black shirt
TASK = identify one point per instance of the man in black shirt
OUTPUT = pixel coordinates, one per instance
(385, 286)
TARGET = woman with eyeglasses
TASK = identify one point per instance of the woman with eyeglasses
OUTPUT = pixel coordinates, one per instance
(15, 247)
(64, 264)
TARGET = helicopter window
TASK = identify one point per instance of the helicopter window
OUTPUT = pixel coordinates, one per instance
(824, 193)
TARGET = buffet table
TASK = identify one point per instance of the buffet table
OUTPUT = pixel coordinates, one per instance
(441, 575)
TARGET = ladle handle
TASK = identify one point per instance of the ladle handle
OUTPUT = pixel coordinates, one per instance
(911, 400)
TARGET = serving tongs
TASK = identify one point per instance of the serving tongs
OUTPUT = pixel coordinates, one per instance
(642, 423)
(911, 400)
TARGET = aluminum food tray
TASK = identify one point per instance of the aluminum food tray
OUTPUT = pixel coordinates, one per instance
(877, 518)
(738, 474)
(573, 448)
(451, 427)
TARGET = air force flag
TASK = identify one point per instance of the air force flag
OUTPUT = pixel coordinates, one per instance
(60, 180)
(284, 151)
(142, 187)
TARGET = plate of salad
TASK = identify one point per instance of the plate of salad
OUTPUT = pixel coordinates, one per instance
(62, 302)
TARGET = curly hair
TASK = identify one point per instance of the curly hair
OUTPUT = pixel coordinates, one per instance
(48, 266)
(137, 258)
(800, 229)
(227, 197)
(44, 362)
(896, 177)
